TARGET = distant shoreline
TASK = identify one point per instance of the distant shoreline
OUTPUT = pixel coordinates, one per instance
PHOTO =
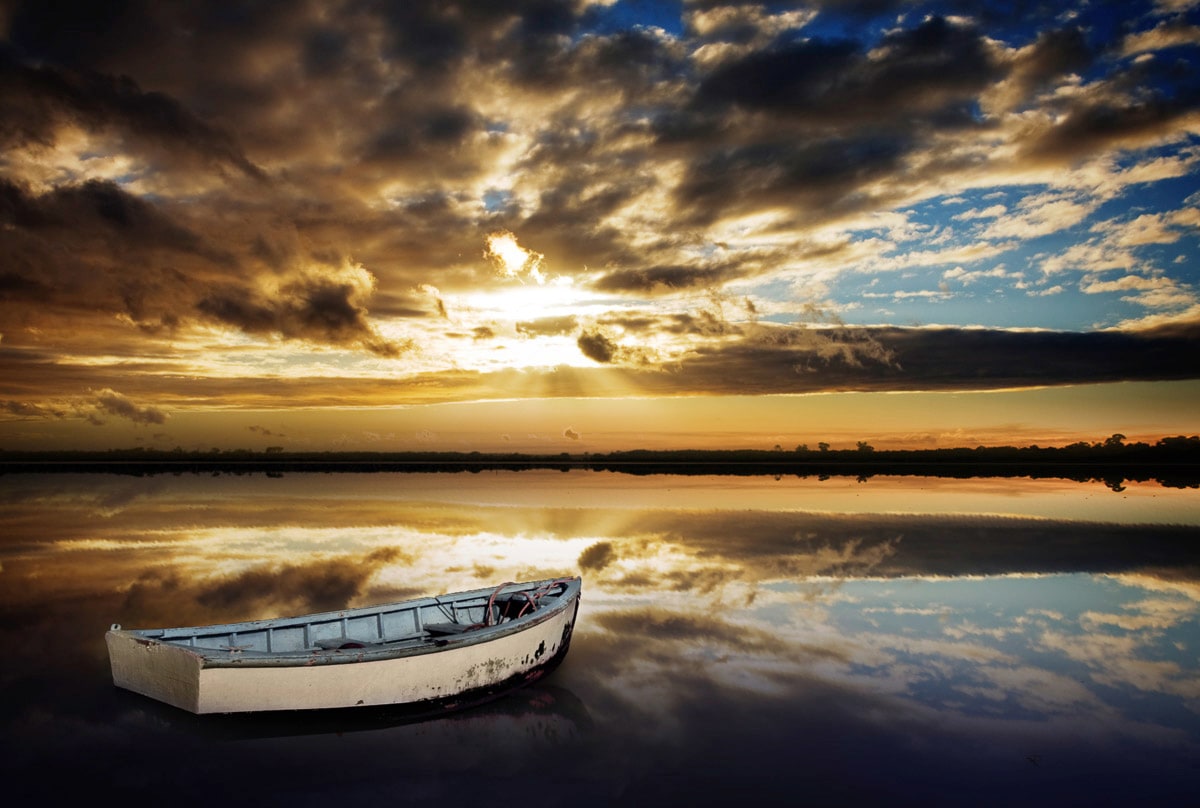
(1173, 462)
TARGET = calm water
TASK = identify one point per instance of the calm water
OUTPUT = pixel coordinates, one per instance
(784, 640)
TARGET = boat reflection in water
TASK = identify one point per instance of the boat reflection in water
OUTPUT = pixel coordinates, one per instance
(541, 715)
(950, 642)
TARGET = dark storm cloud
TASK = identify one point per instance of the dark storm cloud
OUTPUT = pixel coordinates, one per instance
(1054, 54)
(94, 249)
(524, 38)
(432, 37)
(921, 75)
(820, 177)
(325, 51)
(885, 359)
(794, 79)
(768, 359)
(36, 101)
(778, 360)
(321, 309)
(99, 209)
(597, 346)
(801, 151)
(633, 64)
(278, 80)
(414, 137)
(78, 32)
(1138, 102)
(993, 358)
(1094, 125)
(318, 309)
(123, 262)
(15, 286)
(649, 279)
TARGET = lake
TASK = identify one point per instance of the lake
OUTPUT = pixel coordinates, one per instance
(744, 638)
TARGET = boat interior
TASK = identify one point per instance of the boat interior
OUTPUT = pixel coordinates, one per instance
(409, 623)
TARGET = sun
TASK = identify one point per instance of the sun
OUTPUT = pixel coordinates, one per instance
(511, 259)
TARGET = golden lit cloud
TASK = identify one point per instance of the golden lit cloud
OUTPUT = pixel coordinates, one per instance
(512, 260)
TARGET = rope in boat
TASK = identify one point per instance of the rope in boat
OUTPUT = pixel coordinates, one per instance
(532, 599)
(487, 615)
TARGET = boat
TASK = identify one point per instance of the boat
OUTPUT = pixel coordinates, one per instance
(431, 654)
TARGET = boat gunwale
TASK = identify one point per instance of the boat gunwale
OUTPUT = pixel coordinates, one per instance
(372, 650)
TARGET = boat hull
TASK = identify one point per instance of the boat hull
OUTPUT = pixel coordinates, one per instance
(440, 674)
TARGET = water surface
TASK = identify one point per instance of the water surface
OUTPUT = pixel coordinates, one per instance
(899, 639)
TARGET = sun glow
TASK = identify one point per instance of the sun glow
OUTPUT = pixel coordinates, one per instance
(553, 299)
(535, 324)
(511, 259)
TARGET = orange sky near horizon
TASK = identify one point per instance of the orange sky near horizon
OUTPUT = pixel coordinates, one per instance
(1051, 416)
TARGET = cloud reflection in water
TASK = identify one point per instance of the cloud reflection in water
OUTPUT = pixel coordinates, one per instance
(719, 651)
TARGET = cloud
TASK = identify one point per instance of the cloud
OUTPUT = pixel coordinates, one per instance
(1126, 283)
(217, 201)
(912, 73)
(1051, 60)
(548, 326)
(597, 556)
(511, 259)
(100, 208)
(803, 360)
(1168, 34)
(651, 279)
(111, 224)
(1039, 216)
(25, 409)
(674, 627)
(597, 346)
(113, 403)
(776, 360)
(43, 100)
(320, 308)
(992, 212)
(261, 590)
(1102, 119)
(1148, 228)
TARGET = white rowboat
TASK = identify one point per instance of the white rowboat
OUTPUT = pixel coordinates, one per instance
(434, 653)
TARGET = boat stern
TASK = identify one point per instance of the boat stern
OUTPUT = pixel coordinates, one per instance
(159, 670)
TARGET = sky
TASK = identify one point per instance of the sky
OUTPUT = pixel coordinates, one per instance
(593, 225)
